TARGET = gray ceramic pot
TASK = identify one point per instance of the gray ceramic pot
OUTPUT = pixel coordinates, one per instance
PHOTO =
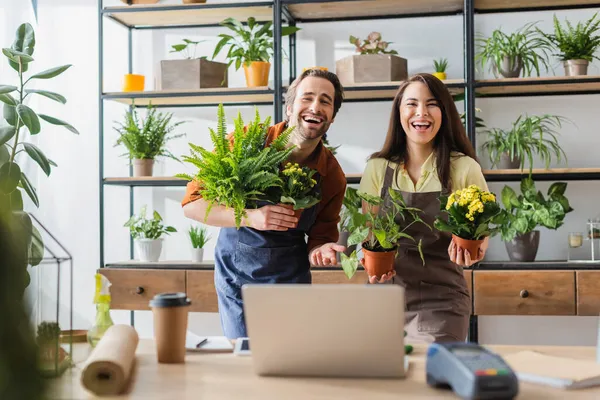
(576, 67)
(510, 67)
(523, 247)
(507, 163)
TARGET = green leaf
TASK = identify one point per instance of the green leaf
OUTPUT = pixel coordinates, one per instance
(8, 99)
(4, 155)
(358, 236)
(16, 201)
(29, 118)
(520, 224)
(4, 89)
(51, 73)
(29, 189)
(557, 188)
(509, 198)
(288, 30)
(24, 43)
(51, 95)
(17, 57)
(442, 225)
(36, 250)
(10, 174)
(56, 121)
(349, 264)
(38, 156)
(6, 133)
(10, 115)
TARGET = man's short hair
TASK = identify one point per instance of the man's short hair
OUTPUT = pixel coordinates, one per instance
(338, 98)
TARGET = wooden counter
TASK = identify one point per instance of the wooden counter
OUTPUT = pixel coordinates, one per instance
(225, 376)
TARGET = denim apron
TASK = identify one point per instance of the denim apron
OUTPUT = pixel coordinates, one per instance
(249, 256)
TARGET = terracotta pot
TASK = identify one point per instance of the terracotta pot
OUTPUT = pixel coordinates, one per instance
(523, 248)
(471, 245)
(440, 75)
(576, 67)
(143, 167)
(378, 263)
(257, 73)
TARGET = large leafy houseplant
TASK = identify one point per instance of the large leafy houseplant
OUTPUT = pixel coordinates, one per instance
(525, 49)
(380, 232)
(23, 119)
(575, 43)
(242, 172)
(529, 135)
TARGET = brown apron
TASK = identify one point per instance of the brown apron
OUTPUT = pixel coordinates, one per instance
(437, 299)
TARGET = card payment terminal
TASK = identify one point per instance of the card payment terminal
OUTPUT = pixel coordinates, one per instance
(471, 371)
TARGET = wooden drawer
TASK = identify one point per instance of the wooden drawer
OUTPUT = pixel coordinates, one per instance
(338, 276)
(524, 292)
(588, 293)
(201, 291)
(132, 289)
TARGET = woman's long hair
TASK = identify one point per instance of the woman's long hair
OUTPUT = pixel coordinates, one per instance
(451, 136)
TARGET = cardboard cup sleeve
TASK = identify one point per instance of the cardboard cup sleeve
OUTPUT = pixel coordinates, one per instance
(108, 368)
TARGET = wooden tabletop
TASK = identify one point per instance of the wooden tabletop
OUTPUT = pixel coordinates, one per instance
(225, 376)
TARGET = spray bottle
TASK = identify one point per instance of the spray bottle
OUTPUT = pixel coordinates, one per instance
(103, 319)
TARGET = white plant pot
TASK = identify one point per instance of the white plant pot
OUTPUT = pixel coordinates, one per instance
(149, 249)
(197, 255)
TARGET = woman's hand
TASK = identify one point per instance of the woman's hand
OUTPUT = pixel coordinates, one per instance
(462, 257)
(384, 278)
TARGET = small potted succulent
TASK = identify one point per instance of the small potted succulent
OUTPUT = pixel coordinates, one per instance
(54, 360)
(191, 72)
(298, 188)
(471, 213)
(198, 237)
(576, 45)
(373, 63)
(380, 234)
(440, 68)
(147, 140)
(147, 234)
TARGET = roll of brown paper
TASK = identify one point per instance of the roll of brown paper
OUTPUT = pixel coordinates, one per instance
(108, 368)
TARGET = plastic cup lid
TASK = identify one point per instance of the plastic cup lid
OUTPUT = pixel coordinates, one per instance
(170, 300)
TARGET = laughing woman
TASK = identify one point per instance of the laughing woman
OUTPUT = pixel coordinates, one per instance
(426, 153)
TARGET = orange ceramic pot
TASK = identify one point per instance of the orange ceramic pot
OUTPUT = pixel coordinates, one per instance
(257, 73)
(378, 263)
(133, 83)
(472, 246)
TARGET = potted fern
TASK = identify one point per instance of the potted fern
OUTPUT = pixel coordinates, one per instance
(198, 237)
(251, 46)
(440, 67)
(373, 63)
(147, 234)
(576, 45)
(525, 212)
(243, 173)
(529, 135)
(380, 234)
(524, 50)
(146, 140)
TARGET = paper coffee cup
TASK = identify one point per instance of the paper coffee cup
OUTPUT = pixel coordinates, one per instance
(170, 325)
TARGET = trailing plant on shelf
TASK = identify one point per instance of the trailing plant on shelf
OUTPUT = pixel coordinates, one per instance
(184, 49)
(508, 54)
(380, 232)
(529, 135)
(298, 186)
(22, 119)
(146, 139)
(147, 234)
(372, 44)
(240, 172)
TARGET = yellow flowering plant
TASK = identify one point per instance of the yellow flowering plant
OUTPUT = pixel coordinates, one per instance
(298, 188)
(471, 213)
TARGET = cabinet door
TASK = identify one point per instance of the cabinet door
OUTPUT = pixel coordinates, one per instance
(132, 289)
(201, 291)
(588, 293)
(524, 292)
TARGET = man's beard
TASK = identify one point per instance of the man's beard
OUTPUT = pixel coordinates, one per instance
(310, 134)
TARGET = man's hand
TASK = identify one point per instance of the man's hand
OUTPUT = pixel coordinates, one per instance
(325, 254)
(271, 218)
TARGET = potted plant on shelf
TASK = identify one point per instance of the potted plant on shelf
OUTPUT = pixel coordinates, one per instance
(576, 45)
(374, 63)
(199, 237)
(240, 172)
(146, 140)
(471, 213)
(525, 212)
(191, 72)
(440, 68)
(252, 47)
(511, 54)
(380, 234)
(147, 234)
(53, 359)
(130, 2)
(298, 188)
(529, 134)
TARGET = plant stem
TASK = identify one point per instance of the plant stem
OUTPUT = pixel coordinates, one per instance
(17, 127)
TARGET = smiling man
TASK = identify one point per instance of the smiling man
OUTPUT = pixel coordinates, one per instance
(270, 247)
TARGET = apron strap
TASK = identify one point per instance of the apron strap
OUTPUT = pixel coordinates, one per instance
(387, 180)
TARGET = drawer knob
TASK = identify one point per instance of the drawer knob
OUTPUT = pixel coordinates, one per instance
(524, 294)
(139, 290)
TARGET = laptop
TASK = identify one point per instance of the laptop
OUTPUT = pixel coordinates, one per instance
(326, 330)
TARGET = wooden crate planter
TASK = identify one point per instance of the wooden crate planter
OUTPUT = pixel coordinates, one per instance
(193, 74)
(371, 68)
